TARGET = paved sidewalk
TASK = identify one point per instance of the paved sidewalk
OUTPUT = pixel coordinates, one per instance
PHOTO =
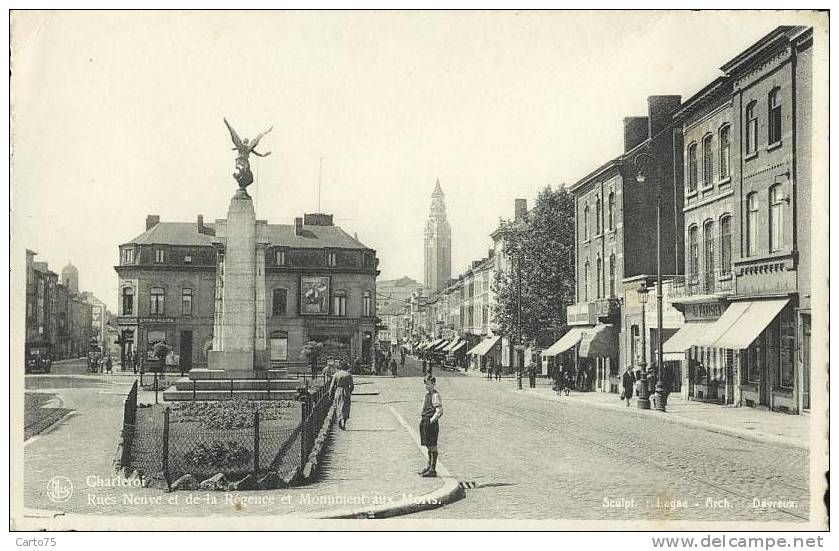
(368, 470)
(742, 422)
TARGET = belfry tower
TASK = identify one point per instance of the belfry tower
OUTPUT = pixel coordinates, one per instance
(438, 243)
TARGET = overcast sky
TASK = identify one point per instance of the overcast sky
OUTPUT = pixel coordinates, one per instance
(119, 115)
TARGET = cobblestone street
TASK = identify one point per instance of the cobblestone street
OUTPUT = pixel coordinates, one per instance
(535, 459)
(520, 456)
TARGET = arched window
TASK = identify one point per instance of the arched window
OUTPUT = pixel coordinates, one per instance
(612, 275)
(775, 125)
(611, 210)
(186, 301)
(693, 248)
(777, 216)
(599, 276)
(585, 282)
(598, 212)
(693, 169)
(128, 301)
(585, 223)
(751, 127)
(725, 152)
(156, 297)
(708, 238)
(751, 224)
(725, 244)
(707, 160)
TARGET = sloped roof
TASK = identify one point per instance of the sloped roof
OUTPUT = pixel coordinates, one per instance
(313, 237)
(395, 308)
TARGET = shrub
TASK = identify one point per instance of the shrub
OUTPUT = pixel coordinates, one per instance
(218, 455)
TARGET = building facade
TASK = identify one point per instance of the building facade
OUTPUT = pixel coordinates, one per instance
(615, 241)
(746, 294)
(55, 317)
(438, 243)
(319, 285)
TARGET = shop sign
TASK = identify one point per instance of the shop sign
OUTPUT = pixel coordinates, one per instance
(157, 320)
(703, 311)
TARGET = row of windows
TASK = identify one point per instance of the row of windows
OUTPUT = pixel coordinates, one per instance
(708, 159)
(709, 250)
(598, 220)
(157, 297)
(279, 303)
(778, 204)
(332, 259)
(600, 291)
(773, 113)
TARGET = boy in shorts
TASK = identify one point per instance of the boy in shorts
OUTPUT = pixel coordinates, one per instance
(432, 410)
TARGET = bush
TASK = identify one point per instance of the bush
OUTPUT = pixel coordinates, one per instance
(228, 414)
(218, 455)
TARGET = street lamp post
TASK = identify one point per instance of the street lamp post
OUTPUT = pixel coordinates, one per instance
(643, 391)
(519, 365)
(660, 390)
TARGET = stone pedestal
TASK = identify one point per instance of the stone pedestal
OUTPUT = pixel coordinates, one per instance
(240, 289)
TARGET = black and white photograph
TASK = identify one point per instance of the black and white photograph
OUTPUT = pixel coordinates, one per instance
(409, 270)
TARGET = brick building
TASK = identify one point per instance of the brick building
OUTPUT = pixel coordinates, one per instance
(746, 294)
(615, 241)
(319, 284)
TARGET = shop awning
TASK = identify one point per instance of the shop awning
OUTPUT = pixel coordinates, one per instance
(568, 340)
(449, 347)
(742, 322)
(686, 337)
(601, 341)
(458, 346)
(431, 344)
(484, 346)
(439, 347)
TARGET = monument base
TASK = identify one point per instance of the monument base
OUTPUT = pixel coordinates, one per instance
(231, 360)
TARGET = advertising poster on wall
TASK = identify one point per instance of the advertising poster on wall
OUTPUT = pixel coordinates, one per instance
(314, 295)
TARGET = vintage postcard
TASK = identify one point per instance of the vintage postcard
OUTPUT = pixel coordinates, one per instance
(444, 270)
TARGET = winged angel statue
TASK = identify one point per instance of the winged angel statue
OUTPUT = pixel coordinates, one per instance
(243, 174)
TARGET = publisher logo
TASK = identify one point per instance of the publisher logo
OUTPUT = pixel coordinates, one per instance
(59, 489)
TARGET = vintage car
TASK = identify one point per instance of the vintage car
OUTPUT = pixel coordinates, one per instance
(38, 359)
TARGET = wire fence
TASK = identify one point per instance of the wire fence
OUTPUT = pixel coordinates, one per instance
(255, 438)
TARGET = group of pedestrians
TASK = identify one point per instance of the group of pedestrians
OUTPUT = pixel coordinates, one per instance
(493, 369)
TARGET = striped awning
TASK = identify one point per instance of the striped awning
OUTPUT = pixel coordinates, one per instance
(568, 340)
(483, 347)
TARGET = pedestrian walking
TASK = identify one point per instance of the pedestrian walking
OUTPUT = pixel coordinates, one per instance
(498, 370)
(393, 367)
(627, 383)
(135, 361)
(424, 365)
(341, 391)
(402, 358)
(109, 365)
(531, 375)
(429, 429)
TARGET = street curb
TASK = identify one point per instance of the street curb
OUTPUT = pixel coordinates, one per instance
(310, 470)
(710, 427)
(448, 493)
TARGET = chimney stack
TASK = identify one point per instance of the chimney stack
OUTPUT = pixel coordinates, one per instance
(298, 226)
(661, 110)
(521, 209)
(634, 132)
(152, 220)
(200, 223)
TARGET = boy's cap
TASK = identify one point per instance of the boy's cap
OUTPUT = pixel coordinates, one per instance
(430, 379)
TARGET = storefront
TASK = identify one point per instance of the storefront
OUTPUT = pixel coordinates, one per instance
(562, 354)
(598, 358)
(746, 356)
(481, 352)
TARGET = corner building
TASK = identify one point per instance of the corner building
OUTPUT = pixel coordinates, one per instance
(316, 283)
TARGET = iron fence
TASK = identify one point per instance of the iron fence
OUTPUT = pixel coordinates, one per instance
(129, 423)
(165, 448)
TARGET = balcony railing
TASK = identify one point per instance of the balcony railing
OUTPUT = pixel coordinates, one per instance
(705, 283)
